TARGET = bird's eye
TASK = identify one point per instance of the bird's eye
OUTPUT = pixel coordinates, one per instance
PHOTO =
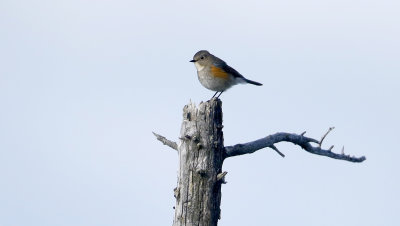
(202, 57)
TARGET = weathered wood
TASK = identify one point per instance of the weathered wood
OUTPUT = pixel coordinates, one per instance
(201, 154)
(301, 140)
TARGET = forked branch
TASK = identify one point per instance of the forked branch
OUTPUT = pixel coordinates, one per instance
(298, 139)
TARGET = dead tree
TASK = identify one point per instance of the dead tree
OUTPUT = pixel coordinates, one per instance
(202, 152)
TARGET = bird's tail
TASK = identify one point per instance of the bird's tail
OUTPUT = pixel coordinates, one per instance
(252, 82)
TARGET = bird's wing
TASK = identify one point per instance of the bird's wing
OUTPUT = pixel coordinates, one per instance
(228, 69)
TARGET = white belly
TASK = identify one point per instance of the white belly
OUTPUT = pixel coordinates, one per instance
(214, 83)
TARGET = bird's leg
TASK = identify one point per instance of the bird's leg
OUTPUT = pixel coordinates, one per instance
(220, 94)
(214, 94)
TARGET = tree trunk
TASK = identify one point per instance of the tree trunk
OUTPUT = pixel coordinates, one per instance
(201, 154)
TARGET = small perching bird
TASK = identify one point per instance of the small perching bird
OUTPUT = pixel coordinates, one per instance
(215, 74)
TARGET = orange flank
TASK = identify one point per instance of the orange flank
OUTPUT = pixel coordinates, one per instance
(218, 72)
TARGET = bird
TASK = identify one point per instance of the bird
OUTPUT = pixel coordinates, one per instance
(216, 75)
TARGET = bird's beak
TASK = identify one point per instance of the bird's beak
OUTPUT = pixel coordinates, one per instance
(192, 61)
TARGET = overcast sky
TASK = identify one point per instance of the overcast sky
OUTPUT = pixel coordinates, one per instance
(84, 83)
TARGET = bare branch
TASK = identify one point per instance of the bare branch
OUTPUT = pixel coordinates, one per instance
(165, 141)
(276, 149)
(326, 134)
(302, 141)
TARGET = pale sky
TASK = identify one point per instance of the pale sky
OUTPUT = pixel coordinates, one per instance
(84, 83)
